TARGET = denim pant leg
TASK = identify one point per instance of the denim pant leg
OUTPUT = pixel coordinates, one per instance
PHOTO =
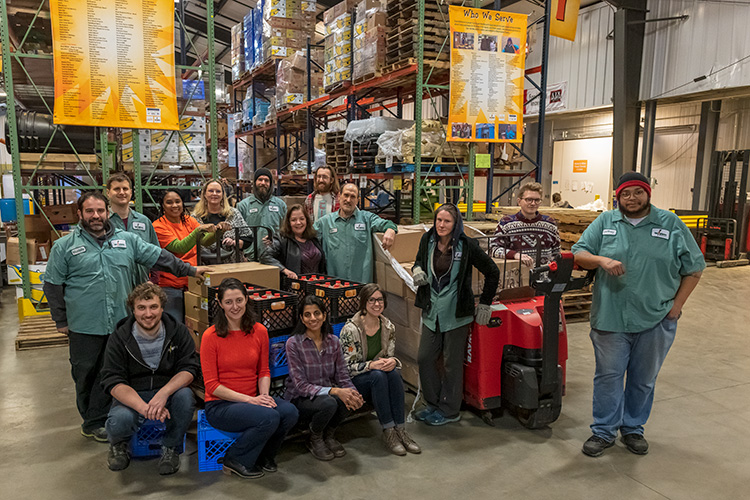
(122, 422)
(649, 350)
(181, 405)
(324, 411)
(612, 351)
(373, 385)
(396, 395)
(288, 416)
(175, 305)
(256, 423)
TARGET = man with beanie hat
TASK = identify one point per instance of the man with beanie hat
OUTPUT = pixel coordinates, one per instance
(648, 264)
(261, 208)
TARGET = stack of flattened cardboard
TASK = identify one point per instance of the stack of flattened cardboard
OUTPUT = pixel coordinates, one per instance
(197, 297)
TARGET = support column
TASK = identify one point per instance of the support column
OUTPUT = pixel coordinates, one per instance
(707, 132)
(647, 149)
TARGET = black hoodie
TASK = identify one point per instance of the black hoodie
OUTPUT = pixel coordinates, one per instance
(123, 363)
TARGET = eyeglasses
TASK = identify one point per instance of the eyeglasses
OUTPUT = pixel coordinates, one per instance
(373, 300)
(632, 194)
(532, 201)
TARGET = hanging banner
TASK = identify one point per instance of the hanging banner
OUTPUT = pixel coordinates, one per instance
(488, 52)
(557, 99)
(114, 63)
(564, 19)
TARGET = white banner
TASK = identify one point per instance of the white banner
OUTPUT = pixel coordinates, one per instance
(557, 99)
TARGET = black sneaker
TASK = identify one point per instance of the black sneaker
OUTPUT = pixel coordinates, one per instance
(231, 467)
(595, 446)
(99, 435)
(169, 463)
(268, 464)
(118, 457)
(636, 443)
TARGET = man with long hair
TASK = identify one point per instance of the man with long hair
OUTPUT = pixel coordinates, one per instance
(325, 197)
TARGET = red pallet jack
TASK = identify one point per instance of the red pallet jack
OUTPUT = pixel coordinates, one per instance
(517, 361)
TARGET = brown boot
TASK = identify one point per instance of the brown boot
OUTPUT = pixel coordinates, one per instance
(392, 442)
(410, 445)
(318, 448)
(332, 444)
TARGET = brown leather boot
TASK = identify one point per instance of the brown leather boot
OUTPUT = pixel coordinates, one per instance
(318, 448)
(392, 442)
(410, 445)
(332, 444)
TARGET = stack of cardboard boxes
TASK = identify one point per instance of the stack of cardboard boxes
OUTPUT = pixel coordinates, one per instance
(291, 78)
(185, 147)
(237, 51)
(197, 307)
(287, 24)
(338, 45)
(369, 40)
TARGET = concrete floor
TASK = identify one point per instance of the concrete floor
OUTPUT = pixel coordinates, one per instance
(698, 433)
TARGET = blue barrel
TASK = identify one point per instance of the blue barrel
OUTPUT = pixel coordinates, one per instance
(8, 210)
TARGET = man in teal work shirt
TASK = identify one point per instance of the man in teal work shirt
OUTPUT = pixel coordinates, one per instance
(648, 264)
(121, 216)
(261, 208)
(87, 282)
(346, 237)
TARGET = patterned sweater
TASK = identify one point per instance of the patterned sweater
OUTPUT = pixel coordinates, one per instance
(515, 233)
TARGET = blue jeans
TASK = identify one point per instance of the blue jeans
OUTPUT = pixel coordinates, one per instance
(263, 429)
(175, 305)
(123, 421)
(627, 405)
(385, 390)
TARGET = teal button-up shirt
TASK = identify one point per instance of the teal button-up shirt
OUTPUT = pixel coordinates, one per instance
(269, 214)
(97, 278)
(141, 226)
(347, 243)
(442, 313)
(656, 254)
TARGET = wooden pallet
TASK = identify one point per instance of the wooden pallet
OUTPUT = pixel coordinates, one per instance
(577, 306)
(37, 332)
(412, 28)
(392, 66)
(367, 77)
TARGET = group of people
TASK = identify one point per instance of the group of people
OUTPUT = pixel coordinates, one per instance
(131, 362)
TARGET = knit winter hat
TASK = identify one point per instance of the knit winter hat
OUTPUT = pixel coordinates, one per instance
(263, 171)
(629, 179)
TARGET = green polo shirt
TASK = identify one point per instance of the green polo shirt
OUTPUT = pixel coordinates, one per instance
(442, 312)
(347, 243)
(141, 226)
(97, 278)
(656, 254)
(268, 214)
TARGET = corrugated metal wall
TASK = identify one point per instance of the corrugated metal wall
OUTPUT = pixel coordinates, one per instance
(716, 35)
(734, 125)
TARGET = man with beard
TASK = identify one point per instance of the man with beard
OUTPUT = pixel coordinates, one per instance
(261, 208)
(648, 263)
(88, 278)
(121, 216)
(346, 237)
(325, 198)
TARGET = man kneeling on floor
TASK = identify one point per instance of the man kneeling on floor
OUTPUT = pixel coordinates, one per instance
(149, 363)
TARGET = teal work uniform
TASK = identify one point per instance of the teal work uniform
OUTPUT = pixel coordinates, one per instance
(347, 243)
(141, 226)
(97, 278)
(268, 214)
(442, 313)
(656, 254)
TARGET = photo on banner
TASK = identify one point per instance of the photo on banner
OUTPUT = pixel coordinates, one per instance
(114, 63)
(488, 59)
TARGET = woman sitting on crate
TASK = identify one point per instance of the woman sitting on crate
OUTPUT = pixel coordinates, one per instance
(442, 271)
(369, 343)
(178, 233)
(234, 359)
(297, 250)
(318, 383)
(213, 208)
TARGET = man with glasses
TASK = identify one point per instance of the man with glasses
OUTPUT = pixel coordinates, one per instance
(516, 236)
(325, 198)
(648, 264)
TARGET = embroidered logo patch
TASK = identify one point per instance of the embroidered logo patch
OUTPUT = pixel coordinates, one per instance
(360, 226)
(660, 233)
(118, 244)
(273, 208)
(140, 226)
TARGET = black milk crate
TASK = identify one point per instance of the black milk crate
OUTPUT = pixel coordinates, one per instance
(301, 285)
(213, 299)
(341, 297)
(276, 310)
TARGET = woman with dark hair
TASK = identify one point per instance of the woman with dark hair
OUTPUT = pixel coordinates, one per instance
(179, 233)
(369, 343)
(234, 359)
(214, 208)
(297, 250)
(318, 383)
(442, 271)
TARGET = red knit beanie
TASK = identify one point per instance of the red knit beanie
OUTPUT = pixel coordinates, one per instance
(629, 179)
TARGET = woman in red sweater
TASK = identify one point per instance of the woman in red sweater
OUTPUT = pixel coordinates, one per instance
(234, 359)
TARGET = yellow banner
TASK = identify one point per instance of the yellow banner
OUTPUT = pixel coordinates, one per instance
(488, 58)
(114, 63)
(564, 19)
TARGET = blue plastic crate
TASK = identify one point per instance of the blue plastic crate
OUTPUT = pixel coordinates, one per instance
(147, 441)
(212, 444)
(277, 362)
(337, 328)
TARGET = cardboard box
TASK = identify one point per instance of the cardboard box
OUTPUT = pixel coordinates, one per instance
(36, 274)
(405, 244)
(393, 282)
(409, 369)
(365, 6)
(196, 329)
(62, 214)
(196, 307)
(380, 273)
(13, 251)
(407, 340)
(512, 276)
(397, 310)
(247, 272)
